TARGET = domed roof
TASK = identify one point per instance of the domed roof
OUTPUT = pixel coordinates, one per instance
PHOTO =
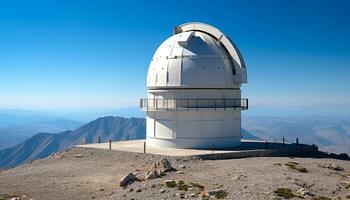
(196, 57)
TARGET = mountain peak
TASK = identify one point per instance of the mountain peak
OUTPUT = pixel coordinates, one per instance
(43, 144)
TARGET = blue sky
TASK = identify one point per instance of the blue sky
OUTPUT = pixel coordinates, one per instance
(95, 54)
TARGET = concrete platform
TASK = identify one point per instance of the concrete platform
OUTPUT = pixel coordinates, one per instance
(248, 148)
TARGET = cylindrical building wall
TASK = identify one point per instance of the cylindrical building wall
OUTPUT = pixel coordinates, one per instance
(194, 129)
(202, 125)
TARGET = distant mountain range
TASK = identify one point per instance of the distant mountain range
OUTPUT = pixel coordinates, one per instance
(330, 133)
(17, 126)
(43, 144)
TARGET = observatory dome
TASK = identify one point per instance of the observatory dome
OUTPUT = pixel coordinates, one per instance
(196, 59)
(194, 96)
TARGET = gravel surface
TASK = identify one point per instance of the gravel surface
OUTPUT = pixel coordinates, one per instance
(81, 173)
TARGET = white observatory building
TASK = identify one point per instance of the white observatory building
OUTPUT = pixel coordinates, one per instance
(194, 96)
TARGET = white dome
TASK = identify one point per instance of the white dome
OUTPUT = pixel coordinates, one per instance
(194, 96)
(194, 59)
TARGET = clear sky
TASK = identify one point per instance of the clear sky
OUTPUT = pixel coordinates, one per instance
(85, 54)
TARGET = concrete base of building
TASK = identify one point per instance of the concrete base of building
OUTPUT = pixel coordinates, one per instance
(195, 143)
(248, 148)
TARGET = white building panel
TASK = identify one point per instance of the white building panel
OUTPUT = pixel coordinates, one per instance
(211, 128)
(150, 125)
(164, 129)
(174, 72)
(188, 129)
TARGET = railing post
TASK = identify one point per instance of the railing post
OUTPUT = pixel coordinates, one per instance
(175, 104)
(110, 144)
(283, 142)
(99, 139)
(144, 147)
(297, 141)
(188, 104)
(147, 104)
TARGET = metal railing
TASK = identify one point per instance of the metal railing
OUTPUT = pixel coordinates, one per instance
(193, 104)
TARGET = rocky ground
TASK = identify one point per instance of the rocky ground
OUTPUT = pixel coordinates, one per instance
(81, 173)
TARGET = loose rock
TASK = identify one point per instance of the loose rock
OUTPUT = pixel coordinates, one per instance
(128, 179)
(158, 169)
(154, 174)
(304, 192)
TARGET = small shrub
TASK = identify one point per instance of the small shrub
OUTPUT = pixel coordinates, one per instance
(285, 193)
(182, 186)
(302, 170)
(295, 166)
(321, 198)
(170, 184)
(347, 186)
(221, 194)
(196, 185)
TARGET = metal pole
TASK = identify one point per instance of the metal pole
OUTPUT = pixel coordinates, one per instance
(297, 141)
(144, 147)
(99, 139)
(283, 141)
(188, 104)
(110, 144)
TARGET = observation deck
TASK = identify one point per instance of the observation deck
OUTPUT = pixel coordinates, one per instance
(193, 104)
